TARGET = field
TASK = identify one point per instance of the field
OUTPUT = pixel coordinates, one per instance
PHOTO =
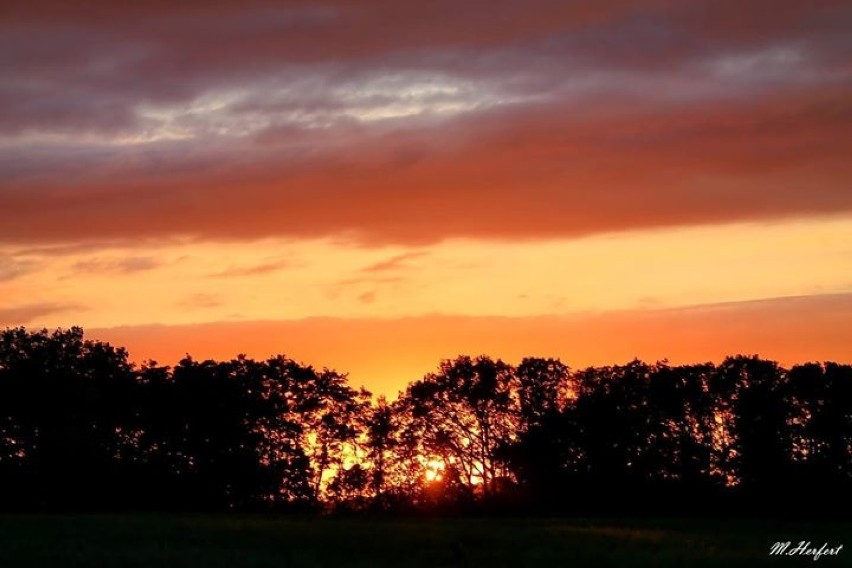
(163, 541)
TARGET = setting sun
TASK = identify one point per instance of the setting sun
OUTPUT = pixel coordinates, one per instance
(434, 469)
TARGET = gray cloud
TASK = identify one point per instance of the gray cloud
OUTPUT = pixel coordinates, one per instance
(97, 72)
(372, 119)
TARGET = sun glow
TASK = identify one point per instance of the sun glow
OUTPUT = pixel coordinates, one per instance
(434, 469)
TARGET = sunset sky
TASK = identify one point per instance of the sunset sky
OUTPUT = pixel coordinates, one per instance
(376, 185)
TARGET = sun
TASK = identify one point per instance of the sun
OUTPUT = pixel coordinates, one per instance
(434, 469)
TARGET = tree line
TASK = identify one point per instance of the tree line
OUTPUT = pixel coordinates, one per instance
(82, 428)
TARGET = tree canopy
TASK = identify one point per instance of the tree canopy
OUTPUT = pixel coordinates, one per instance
(81, 427)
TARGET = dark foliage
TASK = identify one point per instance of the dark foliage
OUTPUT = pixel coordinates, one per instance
(81, 428)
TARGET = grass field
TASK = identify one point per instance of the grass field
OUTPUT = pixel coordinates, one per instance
(162, 541)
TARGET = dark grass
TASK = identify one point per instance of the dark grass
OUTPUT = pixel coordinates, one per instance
(162, 541)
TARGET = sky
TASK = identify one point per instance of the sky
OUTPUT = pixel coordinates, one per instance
(373, 186)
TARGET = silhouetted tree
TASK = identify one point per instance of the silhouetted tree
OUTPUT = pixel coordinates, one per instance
(463, 414)
(762, 448)
(543, 389)
(819, 402)
(83, 428)
(221, 436)
(544, 454)
(64, 401)
(681, 436)
(327, 410)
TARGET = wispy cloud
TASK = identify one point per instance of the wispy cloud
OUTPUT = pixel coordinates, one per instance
(24, 314)
(366, 279)
(367, 297)
(125, 265)
(254, 270)
(88, 246)
(200, 300)
(394, 263)
(11, 268)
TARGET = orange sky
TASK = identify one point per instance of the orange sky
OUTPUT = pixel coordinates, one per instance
(385, 354)
(373, 186)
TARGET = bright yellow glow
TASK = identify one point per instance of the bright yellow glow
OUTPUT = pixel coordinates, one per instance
(434, 469)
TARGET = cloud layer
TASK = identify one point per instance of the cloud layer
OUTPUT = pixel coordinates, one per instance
(390, 122)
